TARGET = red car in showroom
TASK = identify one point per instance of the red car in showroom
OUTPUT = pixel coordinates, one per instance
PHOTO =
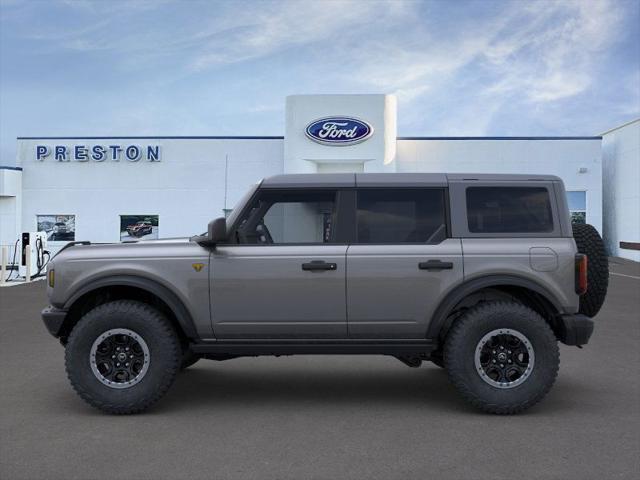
(139, 229)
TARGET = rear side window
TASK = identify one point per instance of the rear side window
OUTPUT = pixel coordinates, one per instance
(509, 210)
(401, 216)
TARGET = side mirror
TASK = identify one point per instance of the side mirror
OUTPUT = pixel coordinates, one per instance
(217, 230)
(216, 233)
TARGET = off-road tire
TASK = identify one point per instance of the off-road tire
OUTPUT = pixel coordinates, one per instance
(165, 356)
(462, 341)
(590, 243)
(188, 359)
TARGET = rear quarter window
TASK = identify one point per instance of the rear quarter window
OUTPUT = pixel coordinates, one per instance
(509, 210)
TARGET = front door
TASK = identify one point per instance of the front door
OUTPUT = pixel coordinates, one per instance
(401, 264)
(284, 277)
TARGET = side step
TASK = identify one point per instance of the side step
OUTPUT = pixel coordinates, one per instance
(314, 347)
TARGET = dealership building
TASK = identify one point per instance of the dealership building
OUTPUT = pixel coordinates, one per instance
(110, 189)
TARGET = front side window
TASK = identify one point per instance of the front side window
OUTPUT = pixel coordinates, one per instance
(509, 210)
(289, 217)
(401, 216)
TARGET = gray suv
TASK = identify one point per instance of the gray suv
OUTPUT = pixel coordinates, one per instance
(479, 274)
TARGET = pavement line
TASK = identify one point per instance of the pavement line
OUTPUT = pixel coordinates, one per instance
(623, 275)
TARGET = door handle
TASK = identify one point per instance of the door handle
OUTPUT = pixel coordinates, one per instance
(319, 265)
(435, 265)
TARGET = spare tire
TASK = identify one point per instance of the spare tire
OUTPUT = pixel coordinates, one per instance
(589, 242)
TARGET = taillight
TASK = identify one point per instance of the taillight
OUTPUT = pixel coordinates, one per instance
(581, 274)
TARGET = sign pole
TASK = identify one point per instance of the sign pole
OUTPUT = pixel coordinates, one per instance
(28, 273)
(3, 264)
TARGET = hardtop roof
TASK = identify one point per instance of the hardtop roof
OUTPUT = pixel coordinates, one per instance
(336, 180)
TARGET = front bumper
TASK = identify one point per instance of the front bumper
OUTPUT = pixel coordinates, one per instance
(575, 329)
(53, 319)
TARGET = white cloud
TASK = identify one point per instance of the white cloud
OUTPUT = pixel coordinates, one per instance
(329, 25)
(534, 53)
(552, 53)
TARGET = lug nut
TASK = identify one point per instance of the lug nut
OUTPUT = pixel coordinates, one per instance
(113, 356)
(127, 349)
(501, 365)
(494, 361)
(117, 364)
(126, 364)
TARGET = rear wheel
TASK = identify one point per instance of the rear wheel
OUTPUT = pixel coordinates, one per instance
(122, 356)
(590, 243)
(502, 356)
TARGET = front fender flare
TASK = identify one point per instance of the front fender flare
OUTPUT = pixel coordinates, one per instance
(174, 303)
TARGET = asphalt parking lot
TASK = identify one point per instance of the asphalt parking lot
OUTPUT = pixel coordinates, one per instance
(322, 417)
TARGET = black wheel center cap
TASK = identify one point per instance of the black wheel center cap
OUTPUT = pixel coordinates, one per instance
(502, 357)
(122, 357)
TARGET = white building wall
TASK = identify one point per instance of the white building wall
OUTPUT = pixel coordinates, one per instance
(621, 185)
(564, 158)
(186, 188)
(10, 206)
(197, 177)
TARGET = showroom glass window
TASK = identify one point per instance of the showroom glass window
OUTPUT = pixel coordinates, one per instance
(577, 201)
(59, 228)
(401, 215)
(509, 210)
(289, 217)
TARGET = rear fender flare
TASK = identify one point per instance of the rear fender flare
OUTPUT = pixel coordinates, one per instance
(440, 322)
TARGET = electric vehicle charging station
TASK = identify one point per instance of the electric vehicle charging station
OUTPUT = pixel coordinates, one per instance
(34, 254)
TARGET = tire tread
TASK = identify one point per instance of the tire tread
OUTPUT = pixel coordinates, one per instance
(454, 357)
(165, 329)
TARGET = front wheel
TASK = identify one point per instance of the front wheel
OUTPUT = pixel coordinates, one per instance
(502, 356)
(122, 356)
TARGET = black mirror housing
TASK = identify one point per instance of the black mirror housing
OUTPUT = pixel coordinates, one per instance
(217, 230)
(216, 233)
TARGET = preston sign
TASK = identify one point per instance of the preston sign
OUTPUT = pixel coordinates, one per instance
(98, 153)
(339, 130)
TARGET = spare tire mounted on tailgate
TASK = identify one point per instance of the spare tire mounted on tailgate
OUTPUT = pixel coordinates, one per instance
(590, 243)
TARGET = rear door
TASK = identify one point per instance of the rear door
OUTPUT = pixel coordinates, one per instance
(285, 275)
(402, 262)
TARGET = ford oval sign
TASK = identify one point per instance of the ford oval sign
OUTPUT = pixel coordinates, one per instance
(338, 130)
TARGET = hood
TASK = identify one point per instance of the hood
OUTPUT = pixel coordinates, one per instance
(127, 249)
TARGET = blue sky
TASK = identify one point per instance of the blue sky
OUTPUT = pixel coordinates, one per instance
(224, 68)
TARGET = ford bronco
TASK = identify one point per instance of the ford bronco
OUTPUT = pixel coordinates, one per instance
(139, 229)
(480, 274)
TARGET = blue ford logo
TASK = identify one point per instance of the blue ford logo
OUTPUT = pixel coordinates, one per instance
(338, 130)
